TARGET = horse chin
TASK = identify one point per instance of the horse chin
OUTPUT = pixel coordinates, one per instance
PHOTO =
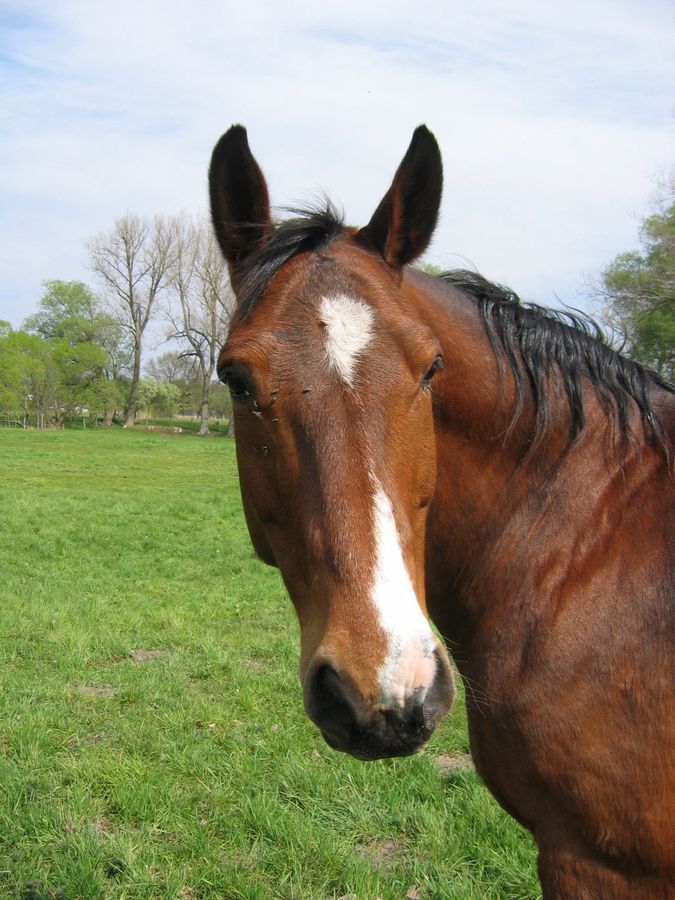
(369, 747)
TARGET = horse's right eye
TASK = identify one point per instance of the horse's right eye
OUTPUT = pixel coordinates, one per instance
(240, 388)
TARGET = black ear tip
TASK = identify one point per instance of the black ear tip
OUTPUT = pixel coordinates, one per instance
(422, 136)
(236, 132)
(422, 130)
(235, 139)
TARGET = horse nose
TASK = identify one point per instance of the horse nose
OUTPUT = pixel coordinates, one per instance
(347, 724)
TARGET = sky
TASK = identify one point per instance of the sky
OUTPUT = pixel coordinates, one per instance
(555, 122)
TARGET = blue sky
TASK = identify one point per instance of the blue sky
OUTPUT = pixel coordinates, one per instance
(554, 122)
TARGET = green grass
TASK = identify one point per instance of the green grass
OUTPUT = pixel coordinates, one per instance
(193, 773)
(187, 424)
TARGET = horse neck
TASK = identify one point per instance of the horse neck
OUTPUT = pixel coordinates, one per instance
(480, 450)
(500, 505)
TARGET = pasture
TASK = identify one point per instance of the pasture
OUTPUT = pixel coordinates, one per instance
(152, 736)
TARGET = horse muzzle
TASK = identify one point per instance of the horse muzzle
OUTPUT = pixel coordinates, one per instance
(374, 731)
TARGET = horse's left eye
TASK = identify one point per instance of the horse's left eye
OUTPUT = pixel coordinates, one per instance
(435, 366)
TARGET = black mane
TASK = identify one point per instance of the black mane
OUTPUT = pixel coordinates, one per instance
(309, 229)
(536, 341)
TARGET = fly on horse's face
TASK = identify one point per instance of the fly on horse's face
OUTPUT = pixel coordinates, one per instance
(330, 380)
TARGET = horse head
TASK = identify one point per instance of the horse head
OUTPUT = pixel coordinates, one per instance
(329, 365)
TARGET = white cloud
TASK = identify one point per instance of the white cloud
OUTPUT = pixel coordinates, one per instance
(552, 120)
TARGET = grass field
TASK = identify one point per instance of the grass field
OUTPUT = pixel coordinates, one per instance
(152, 737)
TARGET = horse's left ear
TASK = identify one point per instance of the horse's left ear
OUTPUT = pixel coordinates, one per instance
(403, 223)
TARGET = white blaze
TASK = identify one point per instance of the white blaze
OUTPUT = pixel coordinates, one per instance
(349, 328)
(409, 664)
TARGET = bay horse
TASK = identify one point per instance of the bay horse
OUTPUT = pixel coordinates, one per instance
(412, 447)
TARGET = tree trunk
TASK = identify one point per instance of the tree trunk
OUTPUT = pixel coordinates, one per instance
(130, 411)
(204, 409)
(108, 416)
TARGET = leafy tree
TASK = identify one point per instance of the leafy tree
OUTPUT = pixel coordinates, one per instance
(68, 309)
(105, 397)
(159, 397)
(165, 400)
(90, 346)
(79, 368)
(29, 379)
(147, 388)
(54, 366)
(179, 369)
(638, 289)
(12, 392)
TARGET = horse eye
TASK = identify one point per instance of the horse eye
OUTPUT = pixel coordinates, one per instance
(240, 388)
(435, 366)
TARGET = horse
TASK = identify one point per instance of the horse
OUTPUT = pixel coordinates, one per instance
(414, 448)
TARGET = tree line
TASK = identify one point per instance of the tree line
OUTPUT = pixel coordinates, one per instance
(84, 350)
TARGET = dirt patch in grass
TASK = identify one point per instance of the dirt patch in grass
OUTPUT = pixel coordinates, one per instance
(452, 762)
(255, 665)
(100, 826)
(102, 691)
(382, 854)
(147, 655)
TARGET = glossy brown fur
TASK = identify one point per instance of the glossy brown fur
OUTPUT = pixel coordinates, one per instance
(551, 580)
(547, 568)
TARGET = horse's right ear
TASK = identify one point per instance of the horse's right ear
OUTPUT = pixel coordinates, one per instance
(240, 207)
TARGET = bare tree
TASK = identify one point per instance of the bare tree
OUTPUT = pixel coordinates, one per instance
(174, 367)
(203, 302)
(133, 261)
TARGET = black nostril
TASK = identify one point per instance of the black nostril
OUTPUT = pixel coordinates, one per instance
(421, 714)
(414, 721)
(327, 704)
(416, 715)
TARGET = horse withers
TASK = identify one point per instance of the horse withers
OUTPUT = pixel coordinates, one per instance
(410, 445)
